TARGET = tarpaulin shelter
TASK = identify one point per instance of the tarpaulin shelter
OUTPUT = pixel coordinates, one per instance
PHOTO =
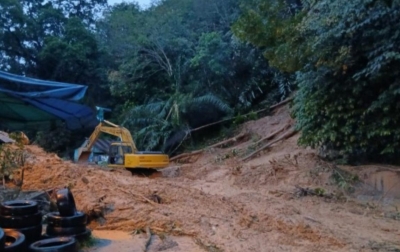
(28, 103)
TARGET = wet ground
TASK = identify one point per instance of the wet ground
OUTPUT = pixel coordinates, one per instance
(216, 202)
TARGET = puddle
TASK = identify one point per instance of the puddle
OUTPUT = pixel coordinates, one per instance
(119, 241)
(115, 241)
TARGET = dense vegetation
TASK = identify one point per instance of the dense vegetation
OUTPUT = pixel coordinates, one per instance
(181, 64)
(344, 56)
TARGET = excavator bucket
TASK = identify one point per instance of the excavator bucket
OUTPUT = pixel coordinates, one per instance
(81, 155)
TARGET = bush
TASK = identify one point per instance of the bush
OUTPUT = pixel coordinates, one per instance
(346, 61)
(349, 90)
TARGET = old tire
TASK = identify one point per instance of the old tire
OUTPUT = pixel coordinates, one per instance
(56, 220)
(2, 238)
(65, 202)
(83, 236)
(58, 244)
(18, 207)
(79, 237)
(31, 234)
(61, 231)
(14, 241)
(20, 221)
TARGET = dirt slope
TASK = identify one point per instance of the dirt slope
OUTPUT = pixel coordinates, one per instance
(222, 202)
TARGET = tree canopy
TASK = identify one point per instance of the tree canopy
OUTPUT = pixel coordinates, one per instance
(181, 64)
(345, 59)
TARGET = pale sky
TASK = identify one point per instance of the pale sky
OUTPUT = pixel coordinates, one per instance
(142, 3)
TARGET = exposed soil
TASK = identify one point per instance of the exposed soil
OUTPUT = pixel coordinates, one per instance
(218, 203)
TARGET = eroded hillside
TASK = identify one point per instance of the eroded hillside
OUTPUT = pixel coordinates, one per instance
(281, 199)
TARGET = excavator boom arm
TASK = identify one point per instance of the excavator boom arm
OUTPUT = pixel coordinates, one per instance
(108, 128)
(130, 160)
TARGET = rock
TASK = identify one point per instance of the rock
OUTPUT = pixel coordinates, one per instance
(4, 138)
(85, 180)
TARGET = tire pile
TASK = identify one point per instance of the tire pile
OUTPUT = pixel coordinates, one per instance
(67, 221)
(21, 226)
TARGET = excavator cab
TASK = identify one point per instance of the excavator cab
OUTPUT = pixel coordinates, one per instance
(117, 152)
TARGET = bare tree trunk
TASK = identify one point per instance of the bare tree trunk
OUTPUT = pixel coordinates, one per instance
(288, 134)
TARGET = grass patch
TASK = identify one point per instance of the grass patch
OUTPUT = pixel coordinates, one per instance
(209, 247)
(88, 242)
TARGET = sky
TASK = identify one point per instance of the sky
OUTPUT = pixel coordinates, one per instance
(142, 3)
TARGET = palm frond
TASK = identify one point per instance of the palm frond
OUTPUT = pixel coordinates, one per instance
(210, 101)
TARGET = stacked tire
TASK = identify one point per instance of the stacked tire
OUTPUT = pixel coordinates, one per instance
(22, 216)
(67, 221)
(12, 241)
(60, 244)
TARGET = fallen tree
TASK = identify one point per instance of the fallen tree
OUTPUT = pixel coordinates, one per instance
(219, 144)
(272, 134)
(183, 155)
(288, 134)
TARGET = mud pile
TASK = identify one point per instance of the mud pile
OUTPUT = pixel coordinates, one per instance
(223, 202)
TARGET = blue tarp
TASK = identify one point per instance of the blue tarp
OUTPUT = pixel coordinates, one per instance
(49, 89)
(28, 102)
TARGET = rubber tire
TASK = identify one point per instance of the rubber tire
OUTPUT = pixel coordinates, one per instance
(61, 231)
(65, 202)
(79, 237)
(21, 221)
(18, 207)
(18, 245)
(65, 244)
(83, 236)
(2, 238)
(54, 219)
(31, 234)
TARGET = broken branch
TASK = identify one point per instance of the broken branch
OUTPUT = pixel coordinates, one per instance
(257, 112)
(281, 103)
(146, 247)
(138, 196)
(183, 155)
(272, 134)
(288, 134)
(233, 139)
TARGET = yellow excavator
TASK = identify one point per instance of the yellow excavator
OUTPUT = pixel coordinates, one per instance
(123, 153)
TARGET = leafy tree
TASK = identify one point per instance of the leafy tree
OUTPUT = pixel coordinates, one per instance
(154, 123)
(86, 11)
(346, 65)
(149, 50)
(357, 62)
(179, 50)
(51, 40)
(272, 26)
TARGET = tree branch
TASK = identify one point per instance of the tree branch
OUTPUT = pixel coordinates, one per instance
(233, 139)
(288, 134)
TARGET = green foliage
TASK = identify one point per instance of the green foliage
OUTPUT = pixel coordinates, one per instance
(181, 54)
(346, 66)
(239, 119)
(152, 124)
(53, 40)
(70, 56)
(11, 158)
(271, 25)
(345, 180)
(349, 91)
(177, 66)
(55, 140)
